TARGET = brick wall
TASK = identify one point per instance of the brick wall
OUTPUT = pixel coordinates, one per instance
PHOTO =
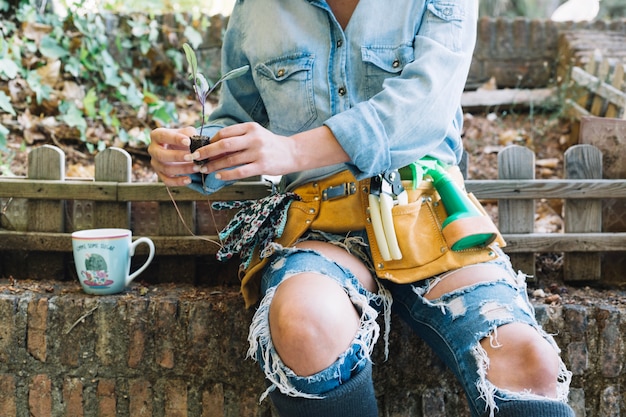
(179, 350)
(523, 53)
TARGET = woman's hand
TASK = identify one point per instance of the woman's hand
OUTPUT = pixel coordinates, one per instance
(248, 149)
(171, 159)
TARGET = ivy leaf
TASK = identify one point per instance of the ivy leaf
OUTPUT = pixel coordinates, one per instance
(193, 36)
(73, 117)
(42, 91)
(4, 132)
(5, 103)
(50, 48)
(89, 102)
(9, 68)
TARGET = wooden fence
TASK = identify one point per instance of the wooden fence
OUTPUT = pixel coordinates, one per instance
(597, 89)
(40, 211)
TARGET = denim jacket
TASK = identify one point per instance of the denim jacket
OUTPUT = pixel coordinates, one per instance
(388, 86)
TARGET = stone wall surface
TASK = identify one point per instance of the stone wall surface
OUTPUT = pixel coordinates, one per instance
(180, 350)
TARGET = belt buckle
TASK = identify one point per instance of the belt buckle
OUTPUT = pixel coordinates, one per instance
(338, 191)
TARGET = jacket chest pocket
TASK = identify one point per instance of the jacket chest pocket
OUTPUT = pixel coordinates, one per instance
(286, 87)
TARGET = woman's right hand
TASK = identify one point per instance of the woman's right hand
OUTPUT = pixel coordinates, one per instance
(171, 159)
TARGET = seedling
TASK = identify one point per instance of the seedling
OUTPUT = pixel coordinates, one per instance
(203, 90)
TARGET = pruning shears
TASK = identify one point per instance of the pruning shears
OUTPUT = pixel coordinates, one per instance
(386, 191)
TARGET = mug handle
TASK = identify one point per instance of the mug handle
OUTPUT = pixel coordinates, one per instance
(134, 245)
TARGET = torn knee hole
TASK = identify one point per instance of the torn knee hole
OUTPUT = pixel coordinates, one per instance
(458, 280)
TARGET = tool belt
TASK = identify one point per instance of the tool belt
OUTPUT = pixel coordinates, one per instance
(340, 204)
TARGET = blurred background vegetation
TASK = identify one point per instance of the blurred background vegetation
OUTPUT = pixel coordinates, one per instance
(534, 9)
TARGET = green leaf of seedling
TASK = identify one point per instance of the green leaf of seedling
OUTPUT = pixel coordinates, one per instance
(202, 87)
(237, 72)
(191, 60)
(5, 104)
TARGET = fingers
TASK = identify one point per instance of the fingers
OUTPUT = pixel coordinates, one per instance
(172, 138)
(170, 155)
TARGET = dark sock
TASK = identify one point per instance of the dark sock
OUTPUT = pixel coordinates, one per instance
(354, 398)
(533, 408)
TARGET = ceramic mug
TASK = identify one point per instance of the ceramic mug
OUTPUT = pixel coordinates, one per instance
(102, 258)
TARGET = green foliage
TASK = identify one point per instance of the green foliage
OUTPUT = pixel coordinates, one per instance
(74, 71)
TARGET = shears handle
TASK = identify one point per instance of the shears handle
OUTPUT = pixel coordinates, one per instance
(377, 225)
(386, 204)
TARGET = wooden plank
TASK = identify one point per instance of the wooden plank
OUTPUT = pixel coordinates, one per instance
(243, 190)
(590, 68)
(174, 219)
(484, 189)
(565, 242)
(594, 84)
(537, 97)
(582, 161)
(207, 245)
(517, 216)
(598, 101)
(111, 191)
(45, 162)
(536, 189)
(112, 164)
(617, 81)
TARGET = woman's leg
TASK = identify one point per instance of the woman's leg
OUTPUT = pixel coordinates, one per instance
(314, 331)
(479, 321)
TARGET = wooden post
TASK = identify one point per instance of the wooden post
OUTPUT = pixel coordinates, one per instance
(45, 163)
(177, 219)
(517, 216)
(617, 81)
(112, 164)
(580, 215)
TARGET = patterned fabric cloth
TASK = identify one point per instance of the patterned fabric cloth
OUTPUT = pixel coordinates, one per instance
(256, 223)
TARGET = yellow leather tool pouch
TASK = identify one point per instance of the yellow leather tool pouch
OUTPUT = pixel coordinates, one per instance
(339, 204)
(426, 250)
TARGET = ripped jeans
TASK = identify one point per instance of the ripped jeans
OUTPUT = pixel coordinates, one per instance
(286, 263)
(453, 325)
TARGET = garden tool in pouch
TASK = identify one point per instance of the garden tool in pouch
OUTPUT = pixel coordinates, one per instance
(421, 222)
(386, 190)
(465, 227)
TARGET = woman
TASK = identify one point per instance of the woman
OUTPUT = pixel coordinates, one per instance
(357, 88)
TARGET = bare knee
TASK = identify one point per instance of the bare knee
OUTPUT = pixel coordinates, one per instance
(312, 321)
(520, 359)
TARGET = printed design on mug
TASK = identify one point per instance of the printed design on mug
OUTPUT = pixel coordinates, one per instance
(96, 271)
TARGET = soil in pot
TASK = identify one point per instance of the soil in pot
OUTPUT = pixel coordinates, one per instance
(198, 141)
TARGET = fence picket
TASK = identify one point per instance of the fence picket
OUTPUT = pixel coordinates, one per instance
(612, 110)
(583, 162)
(516, 162)
(45, 163)
(112, 164)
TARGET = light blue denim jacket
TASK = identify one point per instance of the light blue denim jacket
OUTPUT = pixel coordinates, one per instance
(388, 86)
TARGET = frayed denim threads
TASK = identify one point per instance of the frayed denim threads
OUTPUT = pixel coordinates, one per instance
(455, 323)
(287, 263)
